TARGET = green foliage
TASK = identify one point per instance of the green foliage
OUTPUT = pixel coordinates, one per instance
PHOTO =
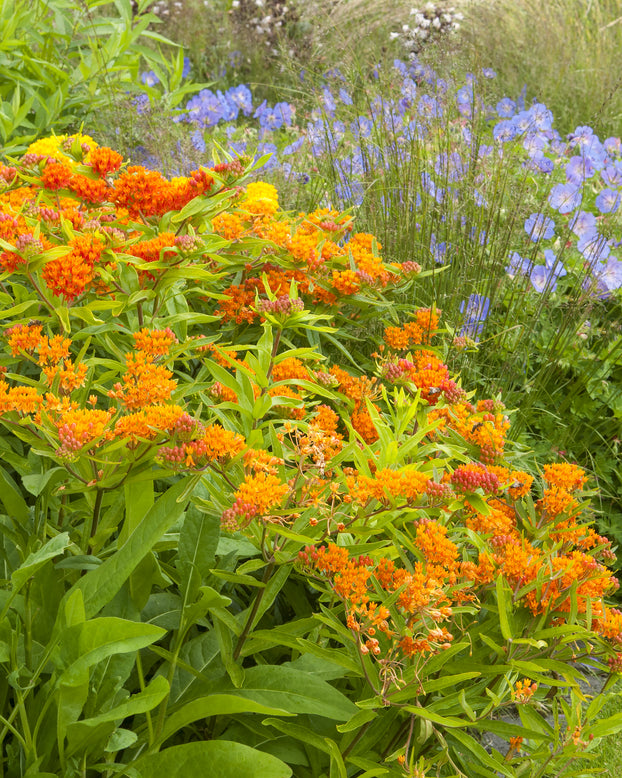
(64, 61)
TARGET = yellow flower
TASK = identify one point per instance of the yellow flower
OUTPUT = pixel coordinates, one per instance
(261, 199)
(53, 146)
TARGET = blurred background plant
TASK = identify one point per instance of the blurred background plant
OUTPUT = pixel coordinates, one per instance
(63, 63)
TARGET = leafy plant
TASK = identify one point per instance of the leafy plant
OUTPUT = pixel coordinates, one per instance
(63, 62)
(222, 542)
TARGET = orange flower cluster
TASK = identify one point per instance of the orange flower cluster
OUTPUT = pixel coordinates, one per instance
(423, 603)
(414, 333)
(69, 276)
(145, 383)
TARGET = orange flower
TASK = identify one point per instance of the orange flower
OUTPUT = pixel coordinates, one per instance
(78, 428)
(70, 275)
(259, 493)
(104, 160)
(24, 337)
(565, 476)
(56, 175)
(154, 342)
(144, 383)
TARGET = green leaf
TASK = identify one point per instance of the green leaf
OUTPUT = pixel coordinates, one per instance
(80, 732)
(84, 645)
(12, 499)
(609, 726)
(198, 540)
(100, 586)
(444, 721)
(37, 482)
(502, 605)
(482, 755)
(37, 559)
(213, 705)
(221, 758)
(293, 691)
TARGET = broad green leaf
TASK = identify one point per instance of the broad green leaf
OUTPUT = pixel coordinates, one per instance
(100, 586)
(37, 559)
(221, 758)
(213, 705)
(293, 691)
(79, 733)
(12, 499)
(84, 645)
(198, 540)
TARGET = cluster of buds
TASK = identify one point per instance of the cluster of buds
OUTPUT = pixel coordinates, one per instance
(452, 392)
(615, 663)
(468, 478)
(441, 492)
(431, 23)
(282, 306)
(238, 516)
(393, 371)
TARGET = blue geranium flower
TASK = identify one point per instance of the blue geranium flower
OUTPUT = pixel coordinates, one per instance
(583, 223)
(608, 201)
(241, 96)
(565, 197)
(149, 78)
(506, 108)
(593, 246)
(539, 227)
(519, 266)
(475, 310)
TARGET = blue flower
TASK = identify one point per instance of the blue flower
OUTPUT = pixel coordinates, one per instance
(429, 107)
(578, 169)
(362, 126)
(613, 146)
(328, 101)
(141, 103)
(149, 78)
(553, 264)
(565, 197)
(488, 73)
(541, 279)
(505, 130)
(539, 227)
(611, 174)
(506, 108)
(198, 141)
(608, 201)
(541, 117)
(438, 249)
(273, 117)
(583, 223)
(519, 266)
(610, 274)
(344, 96)
(475, 310)
(241, 97)
(593, 246)
(292, 148)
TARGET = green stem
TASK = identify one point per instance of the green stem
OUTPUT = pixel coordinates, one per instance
(253, 613)
(141, 681)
